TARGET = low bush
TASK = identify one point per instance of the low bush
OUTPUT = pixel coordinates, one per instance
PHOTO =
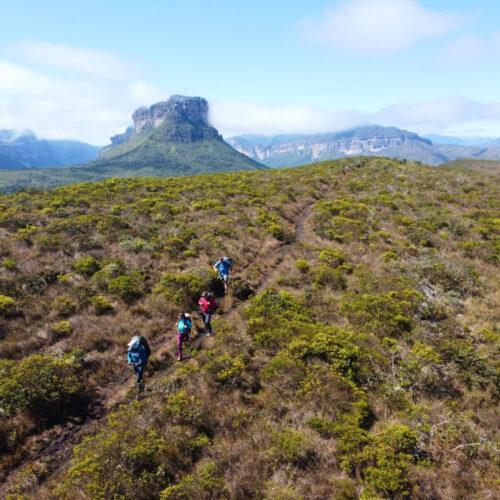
(87, 266)
(7, 306)
(43, 386)
(101, 304)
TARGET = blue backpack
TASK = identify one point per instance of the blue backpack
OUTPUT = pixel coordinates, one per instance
(138, 350)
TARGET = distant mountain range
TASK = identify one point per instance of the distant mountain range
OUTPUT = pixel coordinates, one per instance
(292, 150)
(168, 139)
(24, 150)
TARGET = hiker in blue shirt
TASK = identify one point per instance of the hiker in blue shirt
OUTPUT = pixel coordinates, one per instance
(184, 326)
(138, 353)
(222, 266)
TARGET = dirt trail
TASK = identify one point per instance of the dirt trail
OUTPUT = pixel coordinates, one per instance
(56, 444)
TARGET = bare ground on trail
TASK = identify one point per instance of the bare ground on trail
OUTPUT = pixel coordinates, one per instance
(53, 448)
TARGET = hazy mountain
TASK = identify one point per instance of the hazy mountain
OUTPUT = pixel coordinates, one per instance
(445, 139)
(22, 149)
(282, 150)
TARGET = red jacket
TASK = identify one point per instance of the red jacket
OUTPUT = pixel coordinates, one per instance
(207, 305)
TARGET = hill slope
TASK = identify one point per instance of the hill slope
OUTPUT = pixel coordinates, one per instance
(366, 365)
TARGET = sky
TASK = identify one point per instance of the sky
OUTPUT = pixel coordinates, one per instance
(78, 70)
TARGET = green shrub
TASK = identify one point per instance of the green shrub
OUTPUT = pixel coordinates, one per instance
(333, 258)
(302, 266)
(383, 314)
(62, 328)
(325, 275)
(134, 244)
(9, 264)
(291, 446)
(241, 288)
(126, 287)
(7, 306)
(87, 266)
(228, 371)
(64, 306)
(101, 304)
(186, 289)
(390, 255)
(41, 385)
(204, 482)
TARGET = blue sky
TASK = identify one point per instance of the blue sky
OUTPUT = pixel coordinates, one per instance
(79, 69)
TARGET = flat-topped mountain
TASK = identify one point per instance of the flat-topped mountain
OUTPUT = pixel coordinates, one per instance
(374, 140)
(174, 137)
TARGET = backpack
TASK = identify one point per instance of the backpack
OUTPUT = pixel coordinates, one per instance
(212, 304)
(228, 261)
(138, 349)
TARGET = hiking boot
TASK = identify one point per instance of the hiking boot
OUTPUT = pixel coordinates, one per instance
(208, 334)
(179, 358)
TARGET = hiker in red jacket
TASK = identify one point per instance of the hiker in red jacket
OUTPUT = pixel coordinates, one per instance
(207, 308)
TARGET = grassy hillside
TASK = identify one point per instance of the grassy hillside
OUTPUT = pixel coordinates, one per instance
(474, 165)
(356, 355)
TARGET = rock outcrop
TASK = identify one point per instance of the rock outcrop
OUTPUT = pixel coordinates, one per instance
(193, 109)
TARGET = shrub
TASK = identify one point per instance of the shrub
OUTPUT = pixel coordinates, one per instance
(101, 304)
(383, 314)
(333, 258)
(302, 266)
(291, 446)
(41, 385)
(134, 244)
(241, 289)
(186, 289)
(204, 482)
(390, 255)
(64, 306)
(126, 287)
(227, 370)
(7, 306)
(87, 266)
(62, 328)
(9, 264)
(325, 275)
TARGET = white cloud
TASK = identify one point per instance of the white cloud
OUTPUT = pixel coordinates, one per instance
(438, 115)
(84, 104)
(233, 118)
(90, 62)
(471, 49)
(377, 27)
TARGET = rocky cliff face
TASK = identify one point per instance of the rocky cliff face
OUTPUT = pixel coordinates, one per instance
(188, 115)
(370, 140)
(192, 109)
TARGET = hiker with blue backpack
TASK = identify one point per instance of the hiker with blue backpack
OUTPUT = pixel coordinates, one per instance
(138, 353)
(222, 266)
(184, 326)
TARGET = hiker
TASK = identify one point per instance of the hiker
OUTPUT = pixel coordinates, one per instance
(184, 326)
(138, 353)
(207, 307)
(222, 266)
